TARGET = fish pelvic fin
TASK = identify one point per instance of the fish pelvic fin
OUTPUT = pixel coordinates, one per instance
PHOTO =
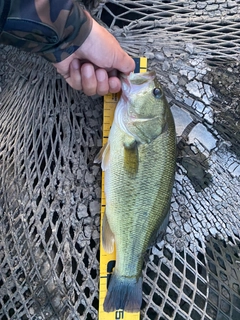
(103, 156)
(123, 293)
(107, 236)
(131, 160)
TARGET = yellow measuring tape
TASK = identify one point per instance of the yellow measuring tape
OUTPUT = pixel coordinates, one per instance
(107, 261)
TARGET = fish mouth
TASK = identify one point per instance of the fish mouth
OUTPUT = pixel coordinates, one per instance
(149, 75)
(135, 82)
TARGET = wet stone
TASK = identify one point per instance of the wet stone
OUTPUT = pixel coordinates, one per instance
(184, 212)
(200, 133)
(149, 55)
(168, 52)
(31, 311)
(198, 106)
(208, 115)
(208, 90)
(165, 66)
(181, 118)
(212, 230)
(205, 99)
(187, 227)
(180, 245)
(169, 238)
(211, 7)
(94, 207)
(98, 192)
(159, 57)
(184, 72)
(89, 177)
(194, 88)
(191, 75)
(178, 233)
(201, 5)
(87, 231)
(189, 101)
(82, 211)
(95, 235)
(195, 223)
(231, 4)
(236, 171)
(216, 197)
(234, 168)
(173, 78)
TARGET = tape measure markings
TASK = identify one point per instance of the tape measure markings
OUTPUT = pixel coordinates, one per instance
(107, 260)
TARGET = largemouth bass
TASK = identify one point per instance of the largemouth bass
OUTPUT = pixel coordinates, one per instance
(139, 164)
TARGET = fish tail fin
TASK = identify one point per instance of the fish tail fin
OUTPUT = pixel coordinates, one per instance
(123, 293)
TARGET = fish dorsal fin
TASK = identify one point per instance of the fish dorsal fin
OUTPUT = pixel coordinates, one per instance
(103, 156)
(131, 157)
(107, 236)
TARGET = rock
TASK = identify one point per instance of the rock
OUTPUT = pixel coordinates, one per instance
(199, 106)
(181, 118)
(201, 134)
(82, 211)
(173, 78)
(194, 88)
(94, 207)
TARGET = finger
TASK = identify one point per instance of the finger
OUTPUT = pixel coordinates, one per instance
(75, 80)
(89, 81)
(123, 62)
(114, 84)
(102, 82)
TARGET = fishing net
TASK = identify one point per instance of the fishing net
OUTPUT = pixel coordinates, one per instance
(50, 187)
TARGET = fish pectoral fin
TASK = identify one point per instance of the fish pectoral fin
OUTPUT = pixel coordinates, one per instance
(103, 156)
(107, 236)
(131, 157)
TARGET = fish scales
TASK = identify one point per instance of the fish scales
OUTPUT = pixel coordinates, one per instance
(139, 165)
(139, 204)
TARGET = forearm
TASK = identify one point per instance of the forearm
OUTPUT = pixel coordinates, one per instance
(53, 29)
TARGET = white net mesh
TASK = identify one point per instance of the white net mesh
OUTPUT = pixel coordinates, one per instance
(212, 25)
(50, 188)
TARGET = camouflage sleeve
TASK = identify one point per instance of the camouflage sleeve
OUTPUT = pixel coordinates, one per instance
(51, 28)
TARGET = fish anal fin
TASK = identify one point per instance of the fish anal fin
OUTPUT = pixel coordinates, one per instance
(103, 156)
(107, 236)
(131, 157)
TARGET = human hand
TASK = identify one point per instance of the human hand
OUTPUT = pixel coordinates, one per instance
(94, 66)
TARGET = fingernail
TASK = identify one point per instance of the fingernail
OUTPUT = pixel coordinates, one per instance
(113, 85)
(88, 70)
(101, 75)
(76, 64)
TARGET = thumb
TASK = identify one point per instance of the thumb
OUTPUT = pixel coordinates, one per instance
(123, 62)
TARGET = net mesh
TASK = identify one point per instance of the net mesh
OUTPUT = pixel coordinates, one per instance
(50, 187)
(212, 25)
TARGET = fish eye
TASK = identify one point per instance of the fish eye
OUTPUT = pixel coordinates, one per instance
(157, 92)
